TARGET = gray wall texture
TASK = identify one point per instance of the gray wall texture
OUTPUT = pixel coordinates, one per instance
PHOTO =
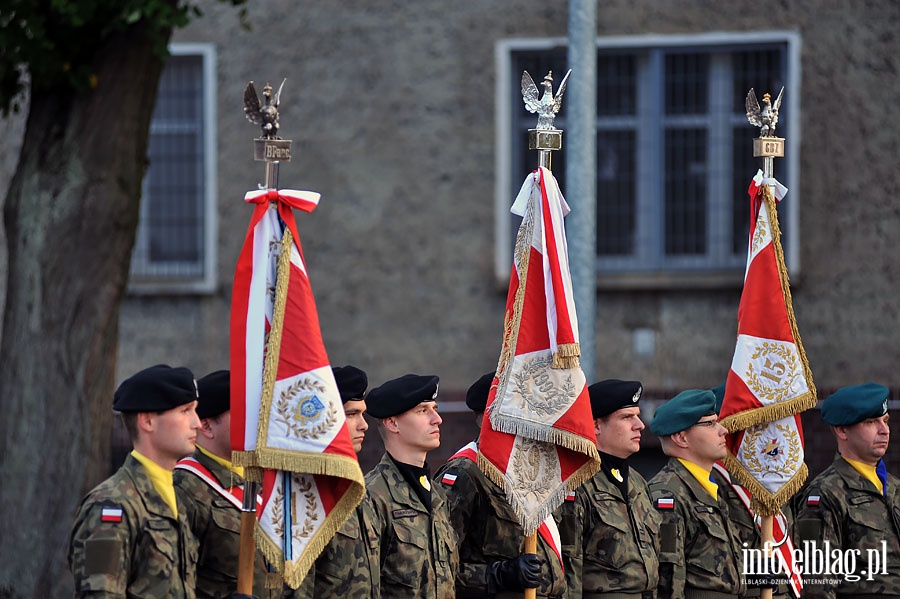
(390, 106)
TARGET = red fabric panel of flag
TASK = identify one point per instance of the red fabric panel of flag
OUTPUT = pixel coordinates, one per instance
(769, 382)
(538, 442)
(287, 419)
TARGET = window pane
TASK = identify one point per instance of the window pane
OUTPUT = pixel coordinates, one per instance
(174, 189)
(616, 85)
(615, 193)
(685, 191)
(687, 82)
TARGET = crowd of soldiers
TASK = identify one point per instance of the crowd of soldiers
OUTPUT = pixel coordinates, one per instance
(167, 523)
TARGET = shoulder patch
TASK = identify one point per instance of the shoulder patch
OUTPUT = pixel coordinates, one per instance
(111, 514)
(570, 496)
(812, 500)
(665, 503)
(449, 479)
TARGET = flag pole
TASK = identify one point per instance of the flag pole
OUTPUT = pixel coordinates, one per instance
(272, 150)
(768, 147)
(545, 138)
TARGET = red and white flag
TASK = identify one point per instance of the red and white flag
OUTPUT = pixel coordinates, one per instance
(287, 419)
(538, 442)
(769, 382)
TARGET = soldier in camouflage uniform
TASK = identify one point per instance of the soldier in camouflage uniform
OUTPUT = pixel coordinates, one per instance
(491, 540)
(349, 565)
(609, 529)
(211, 490)
(130, 536)
(417, 543)
(854, 505)
(700, 553)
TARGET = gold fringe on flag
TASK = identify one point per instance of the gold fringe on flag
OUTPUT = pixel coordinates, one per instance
(566, 356)
(764, 502)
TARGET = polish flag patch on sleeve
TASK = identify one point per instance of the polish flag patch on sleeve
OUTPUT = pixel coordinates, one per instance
(812, 500)
(111, 514)
(665, 503)
(449, 479)
(570, 496)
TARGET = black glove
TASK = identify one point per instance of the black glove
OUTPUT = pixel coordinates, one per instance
(523, 572)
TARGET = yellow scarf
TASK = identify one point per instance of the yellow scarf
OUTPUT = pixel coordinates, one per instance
(702, 476)
(161, 479)
(868, 473)
(239, 470)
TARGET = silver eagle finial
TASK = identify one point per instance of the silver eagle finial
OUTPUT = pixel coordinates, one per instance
(265, 115)
(767, 117)
(545, 106)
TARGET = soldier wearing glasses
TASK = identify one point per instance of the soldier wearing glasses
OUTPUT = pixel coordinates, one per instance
(700, 553)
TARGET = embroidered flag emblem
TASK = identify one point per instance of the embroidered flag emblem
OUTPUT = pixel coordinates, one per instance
(812, 500)
(111, 514)
(570, 496)
(665, 503)
(449, 479)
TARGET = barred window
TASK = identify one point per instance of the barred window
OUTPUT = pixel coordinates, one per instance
(174, 249)
(674, 150)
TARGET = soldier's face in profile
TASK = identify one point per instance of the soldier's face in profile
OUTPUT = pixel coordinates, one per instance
(707, 438)
(619, 434)
(356, 422)
(866, 441)
(175, 431)
(420, 427)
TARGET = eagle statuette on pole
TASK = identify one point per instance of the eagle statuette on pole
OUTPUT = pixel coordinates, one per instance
(767, 117)
(545, 106)
(263, 114)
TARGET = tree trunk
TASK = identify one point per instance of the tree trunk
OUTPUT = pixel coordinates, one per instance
(71, 216)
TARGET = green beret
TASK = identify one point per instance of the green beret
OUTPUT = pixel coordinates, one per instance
(719, 392)
(156, 389)
(683, 411)
(214, 394)
(855, 403)
(399, 395)
(477, 395)
(612, 394)
(351, 382)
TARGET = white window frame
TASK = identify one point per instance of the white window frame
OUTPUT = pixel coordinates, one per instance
(508, 99)
(205, 283)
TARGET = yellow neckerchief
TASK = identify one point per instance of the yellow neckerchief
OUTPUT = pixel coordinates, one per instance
(702, 476)
(239, 470)
(161, 479)
(867, 472)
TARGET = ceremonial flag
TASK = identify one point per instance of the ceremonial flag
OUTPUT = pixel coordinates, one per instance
(287, 419)
(538, 442)
(770, 382)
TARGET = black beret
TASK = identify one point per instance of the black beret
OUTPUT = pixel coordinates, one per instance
(855, 403)
(399, 395)
(156, 389)
(683, 411)
(477, 395)
(351, 382)
(215, 394)
(612, 394)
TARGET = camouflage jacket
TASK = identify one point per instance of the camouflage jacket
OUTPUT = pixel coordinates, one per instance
(488, 531)
(747, 532)
(216, 522)
(417, 549)
(610, 543)
(698, 547)
(348, 567)
(842, 508)
(126, 542)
